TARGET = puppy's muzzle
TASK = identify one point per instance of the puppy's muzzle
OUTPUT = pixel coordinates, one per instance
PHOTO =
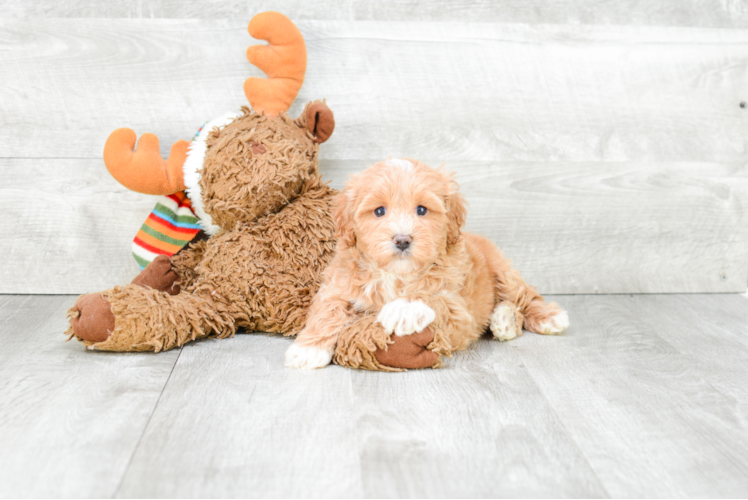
(402, 241)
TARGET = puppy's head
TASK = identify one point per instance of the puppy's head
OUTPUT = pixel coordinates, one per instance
(402, 214)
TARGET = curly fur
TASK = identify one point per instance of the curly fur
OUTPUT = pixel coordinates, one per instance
(263, 267)
(462, 277)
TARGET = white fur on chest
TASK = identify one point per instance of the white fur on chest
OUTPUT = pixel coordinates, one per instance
(383, 287)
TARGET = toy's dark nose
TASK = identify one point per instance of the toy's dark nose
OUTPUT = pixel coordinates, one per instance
(402, 241)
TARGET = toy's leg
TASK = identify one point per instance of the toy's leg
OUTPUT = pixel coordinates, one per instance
(186, 260)
(146, 319)
(91, 318)
(364, 345)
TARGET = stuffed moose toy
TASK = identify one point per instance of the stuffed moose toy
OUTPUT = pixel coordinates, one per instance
(252, 255)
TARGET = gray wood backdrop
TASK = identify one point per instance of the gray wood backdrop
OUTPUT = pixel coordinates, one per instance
(602, 145)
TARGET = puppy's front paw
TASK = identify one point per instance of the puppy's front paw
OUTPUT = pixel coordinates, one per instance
(555, 324)
(404, 317)
(307, 357)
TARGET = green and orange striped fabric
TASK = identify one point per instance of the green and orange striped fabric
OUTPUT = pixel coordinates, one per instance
(169, 227)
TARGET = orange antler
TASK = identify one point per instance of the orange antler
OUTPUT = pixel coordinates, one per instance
(283, 61)
(143, 170)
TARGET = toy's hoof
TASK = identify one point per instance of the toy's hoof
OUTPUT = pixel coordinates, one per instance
(409, 351)
(159, 275)
(94, 321)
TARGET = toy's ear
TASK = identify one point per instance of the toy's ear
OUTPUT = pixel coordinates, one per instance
(343, 218)
(320, 121)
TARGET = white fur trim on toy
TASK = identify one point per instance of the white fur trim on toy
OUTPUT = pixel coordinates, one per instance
(193, 164)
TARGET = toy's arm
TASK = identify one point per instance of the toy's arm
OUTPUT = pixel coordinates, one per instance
(142, 169)
(186, 260)
(447, 314)
(364, 345)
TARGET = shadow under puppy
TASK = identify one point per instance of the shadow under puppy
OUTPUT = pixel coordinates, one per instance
(401, 255)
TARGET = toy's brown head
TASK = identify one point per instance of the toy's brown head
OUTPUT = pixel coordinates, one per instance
(256, 163)
(262, 160)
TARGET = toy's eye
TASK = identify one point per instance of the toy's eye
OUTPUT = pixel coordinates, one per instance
(421, 210)
(380, 211)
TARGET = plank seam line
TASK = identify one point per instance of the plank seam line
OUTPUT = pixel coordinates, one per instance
(695, 362)
(145, 427)
(563, 426)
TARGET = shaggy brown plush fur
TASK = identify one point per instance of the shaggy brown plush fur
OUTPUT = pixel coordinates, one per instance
(185, 262)
(364, 345)
(146, 319)
(262, 270)
(359, 341)
(240, 185)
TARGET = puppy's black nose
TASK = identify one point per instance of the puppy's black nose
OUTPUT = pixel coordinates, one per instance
(402, 241)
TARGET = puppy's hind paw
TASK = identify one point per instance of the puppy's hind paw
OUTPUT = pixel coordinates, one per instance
(503, 322)
(404, 317)
(307, 357)
(555, 325)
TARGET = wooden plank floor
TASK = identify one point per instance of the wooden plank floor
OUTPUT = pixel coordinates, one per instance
(646, 395)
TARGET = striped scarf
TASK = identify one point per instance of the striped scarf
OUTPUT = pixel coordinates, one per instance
(171, 225)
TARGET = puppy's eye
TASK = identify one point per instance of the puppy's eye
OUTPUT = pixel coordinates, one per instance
(379, 212)
(421, 210)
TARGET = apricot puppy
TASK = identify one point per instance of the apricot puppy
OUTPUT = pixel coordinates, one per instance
(401, 254)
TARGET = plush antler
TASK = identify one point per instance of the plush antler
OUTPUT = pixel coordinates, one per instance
(283, 61)
(143, 170)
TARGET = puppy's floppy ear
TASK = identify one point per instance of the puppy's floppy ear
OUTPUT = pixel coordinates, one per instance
(342, 215)
(456, 211)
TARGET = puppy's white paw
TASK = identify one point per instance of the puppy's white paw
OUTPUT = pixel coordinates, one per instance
(555, 325)
(307, 357)
(404, 317)
(503, 322)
